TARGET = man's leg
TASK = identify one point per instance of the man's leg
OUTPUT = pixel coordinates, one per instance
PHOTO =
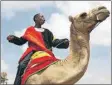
(18, 76)
(21, 68)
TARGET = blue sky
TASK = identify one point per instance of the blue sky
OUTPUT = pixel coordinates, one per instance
(17, 16)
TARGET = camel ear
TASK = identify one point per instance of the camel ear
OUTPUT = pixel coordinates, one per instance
(71, 19)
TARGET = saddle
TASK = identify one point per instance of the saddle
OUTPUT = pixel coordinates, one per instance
(40, 60)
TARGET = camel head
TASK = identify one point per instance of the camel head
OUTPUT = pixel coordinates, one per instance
(86, 22)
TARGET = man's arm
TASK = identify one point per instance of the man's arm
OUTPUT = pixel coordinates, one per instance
(58, 43)
(61, 43)
(16, 40)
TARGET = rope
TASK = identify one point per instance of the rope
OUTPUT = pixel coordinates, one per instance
(51, 47)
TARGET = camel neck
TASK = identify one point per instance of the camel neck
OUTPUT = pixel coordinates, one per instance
(79, 47)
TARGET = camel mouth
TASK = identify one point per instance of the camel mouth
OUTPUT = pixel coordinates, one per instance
(101, 13)
(102, 16)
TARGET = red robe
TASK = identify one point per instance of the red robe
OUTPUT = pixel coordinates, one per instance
(36, 42)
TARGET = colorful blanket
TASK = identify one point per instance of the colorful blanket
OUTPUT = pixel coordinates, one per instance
(39, 61)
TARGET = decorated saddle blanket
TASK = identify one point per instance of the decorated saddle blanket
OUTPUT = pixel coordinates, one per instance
(39, 61)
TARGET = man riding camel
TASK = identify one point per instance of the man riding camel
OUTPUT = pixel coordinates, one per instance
(47, 37)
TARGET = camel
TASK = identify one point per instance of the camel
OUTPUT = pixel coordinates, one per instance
(71, 69)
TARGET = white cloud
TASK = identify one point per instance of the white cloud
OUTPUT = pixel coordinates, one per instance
(24, 47)
(59, 25)
(4, 66)
(19, 34)
(23, 5)
(2, 50)
(11, 78)
(102, 34)
(95, 78)
(75, 7)
(72, 7)
(9, 8)
(98, 71)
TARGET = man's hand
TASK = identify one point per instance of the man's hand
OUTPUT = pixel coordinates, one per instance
(66, 42)
(10, 38)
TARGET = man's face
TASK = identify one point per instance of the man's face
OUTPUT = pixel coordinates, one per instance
(40, 19)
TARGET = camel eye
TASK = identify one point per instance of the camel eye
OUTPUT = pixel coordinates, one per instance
(83, 15)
